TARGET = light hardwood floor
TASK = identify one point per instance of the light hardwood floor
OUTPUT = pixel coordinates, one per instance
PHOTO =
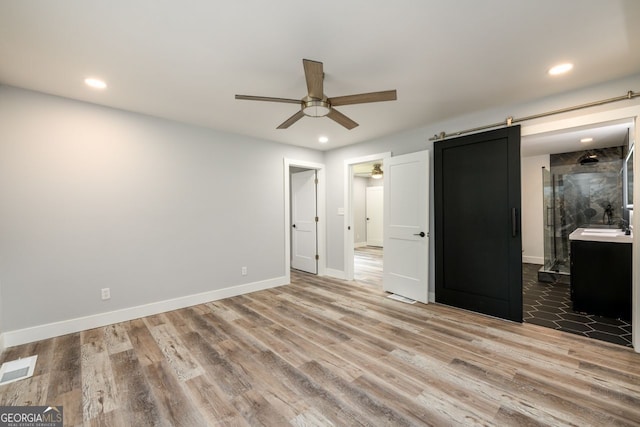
(368, 265)
(328, 352)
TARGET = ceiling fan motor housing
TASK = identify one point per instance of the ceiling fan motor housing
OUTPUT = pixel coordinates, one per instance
(315, 107)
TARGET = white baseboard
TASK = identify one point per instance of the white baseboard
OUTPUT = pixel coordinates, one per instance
(2, 347)
(338, 274)
(533, 259)
(432, 297)
(360, 245)
(50, 330)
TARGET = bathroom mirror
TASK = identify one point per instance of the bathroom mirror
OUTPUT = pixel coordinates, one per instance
(628, 179)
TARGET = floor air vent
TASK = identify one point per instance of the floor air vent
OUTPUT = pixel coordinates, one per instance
(402, 299)
(17, 370)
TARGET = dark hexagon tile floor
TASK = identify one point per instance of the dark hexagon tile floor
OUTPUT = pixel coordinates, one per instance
(549, 305)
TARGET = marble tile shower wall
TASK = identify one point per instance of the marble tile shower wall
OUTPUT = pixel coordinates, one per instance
(583, 192)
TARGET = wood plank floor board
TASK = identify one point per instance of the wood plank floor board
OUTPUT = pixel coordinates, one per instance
(116, 338)
(98, 384)
(136, 402)
(175, 352)
(257, 410)
(519, 391)
(417, 412)
(231, 380)
(374, 411)
(279, 393)
(629, 412)
(175, 407)
(332, 407)
(30, 392)
(293, 319)
(311, 418)
(213, 403)
(324, 352)
(67, 359)
(143, 343)
(109, 419)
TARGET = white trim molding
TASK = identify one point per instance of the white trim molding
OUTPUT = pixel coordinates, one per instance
(50, 330)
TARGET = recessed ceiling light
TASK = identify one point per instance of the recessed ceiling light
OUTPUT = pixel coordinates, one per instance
(560, 69)
(585, 140)
(95, 83)
(323, 140)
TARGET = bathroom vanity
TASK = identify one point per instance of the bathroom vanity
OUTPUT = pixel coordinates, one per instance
(601, 272)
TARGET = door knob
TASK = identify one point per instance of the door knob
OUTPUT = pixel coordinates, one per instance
(421, 234)
(294, 226)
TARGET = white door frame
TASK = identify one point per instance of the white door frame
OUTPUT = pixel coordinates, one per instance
(632, 112)
(349, 231)
(322, 215)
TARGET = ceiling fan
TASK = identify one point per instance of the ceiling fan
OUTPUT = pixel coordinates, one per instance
(317, 104)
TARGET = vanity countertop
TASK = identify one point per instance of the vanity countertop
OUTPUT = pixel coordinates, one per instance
(610, 235)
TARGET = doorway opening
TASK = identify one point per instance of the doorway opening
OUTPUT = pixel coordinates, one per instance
(304, 217)
(368, 208)
(364, 219)
(565, 194)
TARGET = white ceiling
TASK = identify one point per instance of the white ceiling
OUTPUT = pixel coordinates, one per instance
(609, 134)
(185, 60)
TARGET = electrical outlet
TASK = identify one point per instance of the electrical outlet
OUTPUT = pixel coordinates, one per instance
(244, 271)
(106, 293)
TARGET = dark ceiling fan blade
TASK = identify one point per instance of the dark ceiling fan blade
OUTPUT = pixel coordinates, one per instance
(340, 118)
(362, 98)
(267, 98)
(314, 75)
(291, 120)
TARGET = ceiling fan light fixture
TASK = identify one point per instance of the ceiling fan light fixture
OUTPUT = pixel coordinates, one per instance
(377, 173)
(316, 108)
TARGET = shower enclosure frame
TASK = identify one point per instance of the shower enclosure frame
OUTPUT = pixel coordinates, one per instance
(555, 268)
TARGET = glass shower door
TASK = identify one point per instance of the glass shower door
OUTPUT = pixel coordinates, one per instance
(549, 220)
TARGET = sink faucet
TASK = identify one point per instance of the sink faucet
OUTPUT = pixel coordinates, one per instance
(624, 226)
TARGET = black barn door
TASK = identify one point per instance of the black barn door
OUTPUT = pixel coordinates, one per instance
(477, 223)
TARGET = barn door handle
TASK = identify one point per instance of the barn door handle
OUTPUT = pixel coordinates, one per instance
(421, 234)
(514, 222)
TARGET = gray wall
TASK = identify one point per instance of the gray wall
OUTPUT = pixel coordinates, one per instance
(93, 197)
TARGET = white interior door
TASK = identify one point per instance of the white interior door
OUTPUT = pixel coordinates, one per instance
(374, 211)
(303, 221)
(406, 226)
